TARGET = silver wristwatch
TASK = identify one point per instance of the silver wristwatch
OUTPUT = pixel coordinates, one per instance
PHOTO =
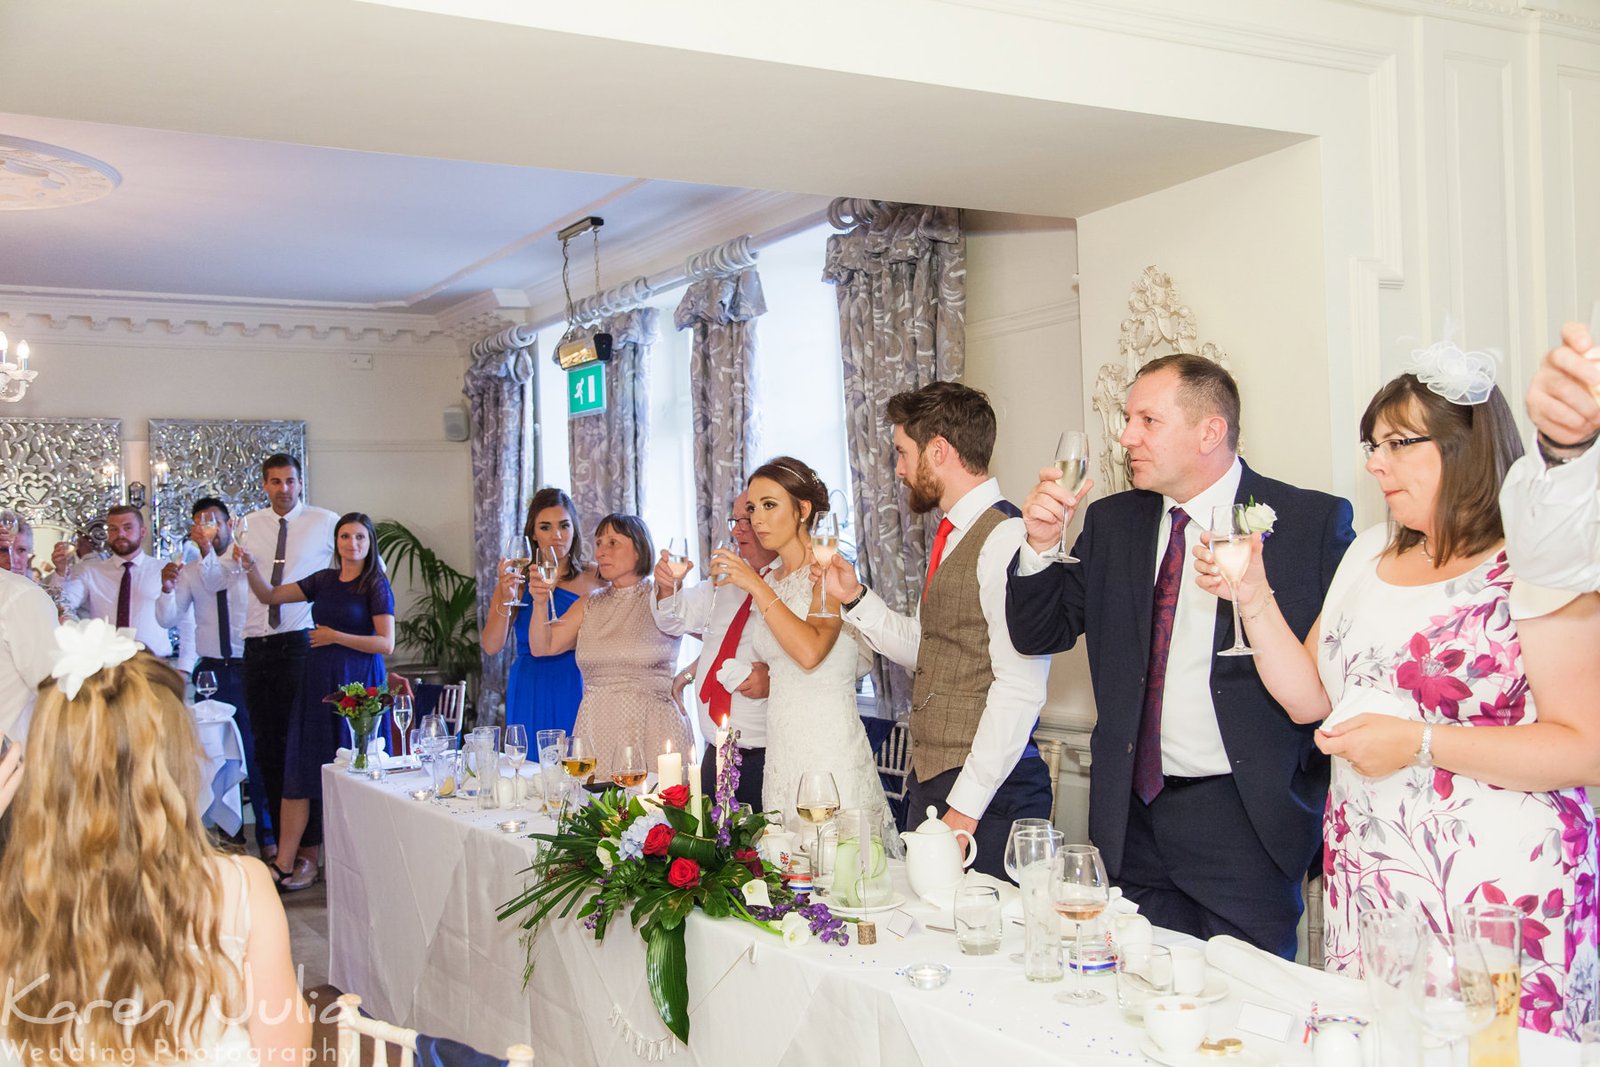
(1424, 756)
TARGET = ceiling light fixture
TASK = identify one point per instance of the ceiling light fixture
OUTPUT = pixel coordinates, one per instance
(14, 377)
(573, 351)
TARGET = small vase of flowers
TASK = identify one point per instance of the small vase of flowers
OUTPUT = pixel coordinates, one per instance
(362, 706)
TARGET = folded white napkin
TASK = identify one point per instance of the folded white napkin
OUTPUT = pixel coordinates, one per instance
(1279, 980)
(1358, 699)
(1011, 907)
(211, 711)
(732, 674)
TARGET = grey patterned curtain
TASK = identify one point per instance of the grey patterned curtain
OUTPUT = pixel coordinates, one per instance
(497, 390)
(901, 273)
(722, 312)
(609, 448)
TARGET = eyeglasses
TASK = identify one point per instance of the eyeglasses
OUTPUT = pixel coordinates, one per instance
(1393, 446)
(735, 522)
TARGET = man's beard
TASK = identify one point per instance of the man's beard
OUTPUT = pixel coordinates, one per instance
(924, 489)
(124, 548)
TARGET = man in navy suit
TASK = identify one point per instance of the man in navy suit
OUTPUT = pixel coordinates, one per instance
(1205, 799)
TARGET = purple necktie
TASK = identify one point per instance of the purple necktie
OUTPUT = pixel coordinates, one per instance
(125, 596)
(1147, 771)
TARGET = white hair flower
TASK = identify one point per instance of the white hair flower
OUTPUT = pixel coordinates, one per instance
(1460, 377)
(86, 648)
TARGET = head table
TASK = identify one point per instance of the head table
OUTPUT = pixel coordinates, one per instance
(413, 888)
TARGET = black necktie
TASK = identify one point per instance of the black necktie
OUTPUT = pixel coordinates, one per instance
(275, 613)
(125, 596)
(224, 625)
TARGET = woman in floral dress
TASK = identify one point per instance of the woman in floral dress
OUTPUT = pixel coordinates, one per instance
(1416, 659)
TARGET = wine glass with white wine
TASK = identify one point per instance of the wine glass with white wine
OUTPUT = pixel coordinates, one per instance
(519, 554)
(1230, 551)
(678, 564)
(817, 800)
(548, 560)
(825, 546)
(1072, 460)
(578, 760)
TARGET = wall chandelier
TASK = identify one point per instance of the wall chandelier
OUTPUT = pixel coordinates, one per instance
(14, 375)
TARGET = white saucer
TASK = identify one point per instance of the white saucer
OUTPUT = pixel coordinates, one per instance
(1152, 1052)
(856, 913)
(1216, 989)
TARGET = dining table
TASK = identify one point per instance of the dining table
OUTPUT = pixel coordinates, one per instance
(222, 766)
(415, 884)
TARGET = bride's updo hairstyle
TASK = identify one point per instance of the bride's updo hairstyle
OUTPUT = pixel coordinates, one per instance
(800, 482)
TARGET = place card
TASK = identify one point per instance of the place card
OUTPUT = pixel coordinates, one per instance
(899, 923)
(1274, 1024)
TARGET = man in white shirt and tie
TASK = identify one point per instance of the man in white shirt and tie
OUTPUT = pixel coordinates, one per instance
(215, 590)
(121, 590)
(721, 618)
(290, 540)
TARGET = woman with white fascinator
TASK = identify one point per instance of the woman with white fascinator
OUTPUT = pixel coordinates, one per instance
(1462, 735)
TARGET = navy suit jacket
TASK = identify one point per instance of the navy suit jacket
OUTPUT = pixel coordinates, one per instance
(1108, 599)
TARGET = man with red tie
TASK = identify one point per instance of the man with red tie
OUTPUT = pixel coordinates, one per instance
(123, 589)
(975, 700)
(722, 623)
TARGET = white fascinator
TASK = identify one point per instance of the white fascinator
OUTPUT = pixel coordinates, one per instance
(1460, 377)
(86, 648)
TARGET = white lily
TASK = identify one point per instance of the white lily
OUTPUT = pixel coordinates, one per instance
(755, 894)
(796, 929)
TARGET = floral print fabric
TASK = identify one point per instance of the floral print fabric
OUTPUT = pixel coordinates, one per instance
(1428, 840)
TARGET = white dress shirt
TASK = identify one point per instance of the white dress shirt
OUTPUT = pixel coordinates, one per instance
(93, 586)
(27, 650)
(1018, 690)
(1552, 520)
(694, 613)
(1191, 740)
(197, 587)
(308, 550)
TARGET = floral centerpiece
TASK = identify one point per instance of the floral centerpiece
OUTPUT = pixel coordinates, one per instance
(363, 706)
(658, 858)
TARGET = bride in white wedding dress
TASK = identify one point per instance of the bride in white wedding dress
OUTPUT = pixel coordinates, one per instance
(812, 721)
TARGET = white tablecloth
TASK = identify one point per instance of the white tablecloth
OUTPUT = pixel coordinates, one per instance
(412, 893)
(221, 765)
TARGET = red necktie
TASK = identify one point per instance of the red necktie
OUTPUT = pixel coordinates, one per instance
(939, 538)
(716, 696)
(125, 596)
(1148, 778)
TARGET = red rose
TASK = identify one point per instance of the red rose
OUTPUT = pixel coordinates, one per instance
(751, 859)
(675, 797)
(683, 873)
(372, 690)
(657, 840)
(347, 702)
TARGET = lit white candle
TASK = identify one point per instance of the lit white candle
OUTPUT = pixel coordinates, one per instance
(669, 770)
(22, 355)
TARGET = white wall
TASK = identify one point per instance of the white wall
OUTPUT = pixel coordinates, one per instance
(374, 438)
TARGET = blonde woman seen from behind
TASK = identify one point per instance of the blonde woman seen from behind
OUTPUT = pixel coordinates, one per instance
(112, 897)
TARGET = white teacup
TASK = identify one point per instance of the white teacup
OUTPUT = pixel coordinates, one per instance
(1133, 930)
(777, 847)
(1188, 970)
(1177, 1024)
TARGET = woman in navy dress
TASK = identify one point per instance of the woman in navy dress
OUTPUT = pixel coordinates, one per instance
(542, 692)
(353, 609)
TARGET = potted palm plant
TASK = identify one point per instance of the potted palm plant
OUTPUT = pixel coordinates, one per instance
(441, 628)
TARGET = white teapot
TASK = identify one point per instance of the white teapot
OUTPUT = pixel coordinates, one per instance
(934, 860)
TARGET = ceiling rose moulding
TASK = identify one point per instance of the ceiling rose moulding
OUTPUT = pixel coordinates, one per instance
(35, 176)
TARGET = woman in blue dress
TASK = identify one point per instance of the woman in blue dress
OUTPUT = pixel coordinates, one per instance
(353, 609)
(542, 692)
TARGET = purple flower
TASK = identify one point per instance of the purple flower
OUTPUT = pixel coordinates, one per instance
(723, 807)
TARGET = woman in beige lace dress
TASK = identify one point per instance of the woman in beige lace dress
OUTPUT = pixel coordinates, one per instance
(627, 663)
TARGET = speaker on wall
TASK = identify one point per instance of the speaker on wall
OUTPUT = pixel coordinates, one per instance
(455, 422)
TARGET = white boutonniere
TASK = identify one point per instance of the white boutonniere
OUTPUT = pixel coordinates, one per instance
(86, 648)
(1259, 518)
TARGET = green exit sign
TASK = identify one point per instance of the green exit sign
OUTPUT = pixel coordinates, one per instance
(586, 390)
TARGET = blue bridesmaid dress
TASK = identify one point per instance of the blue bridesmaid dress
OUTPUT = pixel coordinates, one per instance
(543, 692)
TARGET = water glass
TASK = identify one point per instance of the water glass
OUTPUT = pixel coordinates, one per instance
(1496, 930)
(552, 745)
(1390, 941)
(444, 772)
(1589, 1035)
(1450, 991)
(488, 777)
(1041, 926)
(1143, 971)
(978, 921)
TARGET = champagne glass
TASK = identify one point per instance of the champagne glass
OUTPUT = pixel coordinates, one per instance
(402, 709)
(817, 800)
(825, 546)
(1072, 460)
(239, 526)
(1080, 891)
(1450, 990)
(677, 565)
(516, 750)
(519, 554)
(209, 526)
(627, 765)
(549, 563)
(205, 683)
(1230, 551)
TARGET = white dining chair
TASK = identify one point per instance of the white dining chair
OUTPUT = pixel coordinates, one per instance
(894, 759)
(353, 1026)
(452, 705)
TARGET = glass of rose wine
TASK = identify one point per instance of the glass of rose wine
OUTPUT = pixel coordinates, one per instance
(628, 765)
(825, 546)
(817, 800)
(1230, 551)
(1072, 460)
(1079, 891)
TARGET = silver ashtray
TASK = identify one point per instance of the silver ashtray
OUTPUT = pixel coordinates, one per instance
(512, 826)
(421, 794)
(927, 975)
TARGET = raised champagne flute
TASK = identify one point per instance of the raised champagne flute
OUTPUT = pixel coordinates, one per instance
(725, 544)
(548, 561)
(628, 766)
(239, 527)
(678, 566)
(825, 546)
(1230, 551)
(1072, 460)
(816, 800)
(1079, 891)
(519, 555)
